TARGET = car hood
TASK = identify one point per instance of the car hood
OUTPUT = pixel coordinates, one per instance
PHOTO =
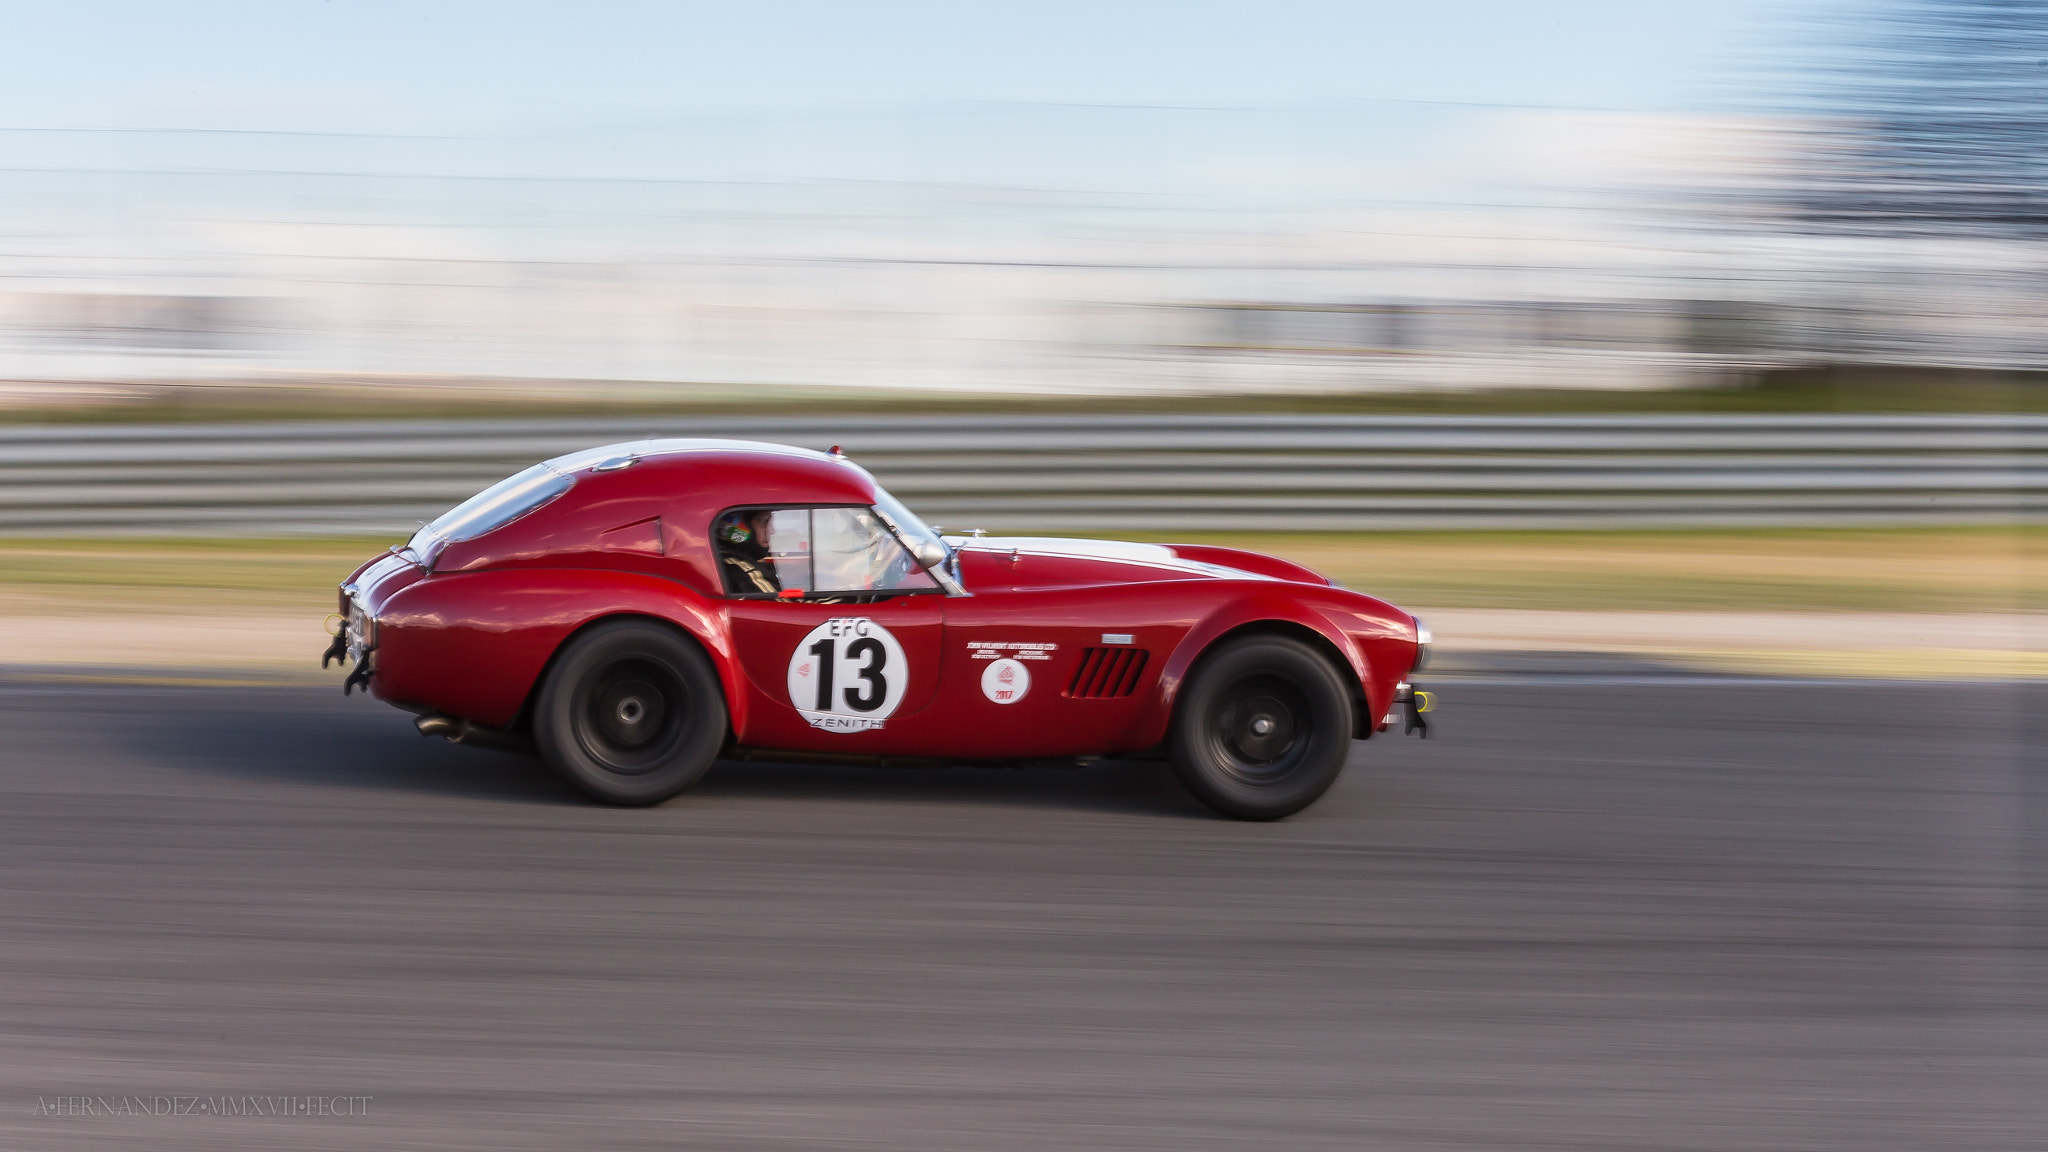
(1046, 561)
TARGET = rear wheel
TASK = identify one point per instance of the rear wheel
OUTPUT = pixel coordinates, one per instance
(632, 713)
(1262, 728)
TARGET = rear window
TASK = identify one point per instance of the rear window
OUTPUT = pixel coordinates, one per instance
(492, 508)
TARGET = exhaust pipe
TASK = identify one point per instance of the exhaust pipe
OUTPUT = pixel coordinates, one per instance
(435, 724)
(456, 730)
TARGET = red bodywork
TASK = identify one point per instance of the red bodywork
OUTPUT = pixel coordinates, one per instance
(1106, 632)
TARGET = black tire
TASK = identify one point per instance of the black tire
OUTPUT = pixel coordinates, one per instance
(1262, 728)
(632, 713)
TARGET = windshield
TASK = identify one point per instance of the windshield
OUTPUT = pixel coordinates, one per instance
(905, 521)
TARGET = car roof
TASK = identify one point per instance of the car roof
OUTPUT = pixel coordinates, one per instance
(652, 447)
(720, 474)
(685, 482)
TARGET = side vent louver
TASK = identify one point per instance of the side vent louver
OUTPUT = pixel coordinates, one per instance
(1106, 673)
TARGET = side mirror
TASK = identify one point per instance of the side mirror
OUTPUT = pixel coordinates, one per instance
(928, 552)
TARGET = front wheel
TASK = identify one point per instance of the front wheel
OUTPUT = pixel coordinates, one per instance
(632, 713)
(1262, 728)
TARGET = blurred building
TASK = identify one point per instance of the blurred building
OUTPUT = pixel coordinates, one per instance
(999, 247)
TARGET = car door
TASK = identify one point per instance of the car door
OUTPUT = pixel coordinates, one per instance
(837, 629)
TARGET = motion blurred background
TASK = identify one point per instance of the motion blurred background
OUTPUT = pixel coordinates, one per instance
(1684, 364)
(1753, 293)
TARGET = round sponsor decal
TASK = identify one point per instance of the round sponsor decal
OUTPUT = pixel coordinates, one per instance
(1005, 681)
(847, 674)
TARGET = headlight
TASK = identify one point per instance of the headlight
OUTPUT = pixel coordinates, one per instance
(1422, 641)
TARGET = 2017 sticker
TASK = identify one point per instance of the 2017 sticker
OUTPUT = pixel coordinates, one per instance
(1005, 681)
(847, 675)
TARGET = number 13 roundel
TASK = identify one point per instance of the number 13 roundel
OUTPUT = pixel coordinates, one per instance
(847, 675)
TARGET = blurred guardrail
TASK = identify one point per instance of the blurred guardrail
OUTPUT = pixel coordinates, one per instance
(1083, 472)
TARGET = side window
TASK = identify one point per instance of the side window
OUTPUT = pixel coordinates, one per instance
(813, 552)
(762, 551)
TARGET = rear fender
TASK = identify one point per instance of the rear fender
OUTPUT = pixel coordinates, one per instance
(365, 565)
(476, 644)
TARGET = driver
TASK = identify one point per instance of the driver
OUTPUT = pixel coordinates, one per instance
(743, 552)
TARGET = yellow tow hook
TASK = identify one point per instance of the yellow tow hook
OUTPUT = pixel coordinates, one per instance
(1418, 702)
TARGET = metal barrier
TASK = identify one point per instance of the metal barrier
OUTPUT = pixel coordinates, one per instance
(1082, 473)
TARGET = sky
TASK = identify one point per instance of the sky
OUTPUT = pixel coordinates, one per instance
(422, 67)
(565, 160)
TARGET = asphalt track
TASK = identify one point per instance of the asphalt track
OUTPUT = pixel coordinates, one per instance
(1594, 914)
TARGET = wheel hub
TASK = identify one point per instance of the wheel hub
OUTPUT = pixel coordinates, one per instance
(630, 712)
(1260, 728)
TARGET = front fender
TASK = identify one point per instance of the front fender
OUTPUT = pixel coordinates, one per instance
(474, 644)
(1366, 639)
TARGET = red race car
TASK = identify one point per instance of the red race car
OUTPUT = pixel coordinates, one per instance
(640, 610)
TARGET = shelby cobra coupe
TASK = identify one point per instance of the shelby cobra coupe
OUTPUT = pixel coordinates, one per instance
(637, 611)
